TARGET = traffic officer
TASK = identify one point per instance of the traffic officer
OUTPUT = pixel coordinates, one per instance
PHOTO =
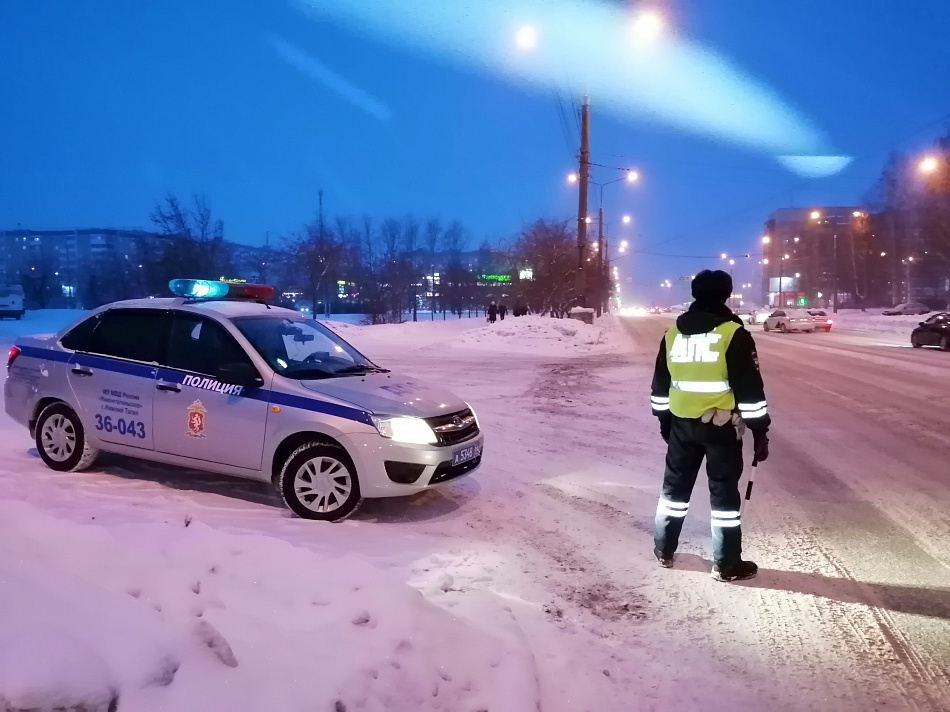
(706, 390)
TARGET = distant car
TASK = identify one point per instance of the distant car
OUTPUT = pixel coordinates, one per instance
(786, 320)
(11, 301)
(907, 308)
(933, 332)
(822, 321)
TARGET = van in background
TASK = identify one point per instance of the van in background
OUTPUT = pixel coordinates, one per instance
(11, 301)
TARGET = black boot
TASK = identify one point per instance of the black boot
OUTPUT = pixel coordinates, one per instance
(665, 561)
(734, 572)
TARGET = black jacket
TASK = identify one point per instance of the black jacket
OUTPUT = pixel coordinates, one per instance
(742, 363)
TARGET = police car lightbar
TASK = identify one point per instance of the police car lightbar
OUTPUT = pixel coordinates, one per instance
(207, 289)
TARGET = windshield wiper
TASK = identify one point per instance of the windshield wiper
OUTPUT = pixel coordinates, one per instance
(358, 369)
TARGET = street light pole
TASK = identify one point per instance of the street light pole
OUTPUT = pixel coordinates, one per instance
(600, 255)
(584, 176)
(834, 296)
(781, 285)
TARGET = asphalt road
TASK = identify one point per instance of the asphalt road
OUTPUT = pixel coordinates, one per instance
(859, 484)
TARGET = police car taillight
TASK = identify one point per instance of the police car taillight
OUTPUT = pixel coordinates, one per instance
(12, 354)
(208, 289)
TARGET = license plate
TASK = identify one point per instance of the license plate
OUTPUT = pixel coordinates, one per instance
(463, 455)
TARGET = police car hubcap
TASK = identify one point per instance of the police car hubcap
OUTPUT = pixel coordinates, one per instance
(323, 484)
(59, 438)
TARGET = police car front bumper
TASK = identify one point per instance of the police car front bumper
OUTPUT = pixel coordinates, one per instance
(388, 469)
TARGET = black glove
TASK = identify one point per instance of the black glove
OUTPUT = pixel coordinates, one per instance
(760, 442)
(666, 424)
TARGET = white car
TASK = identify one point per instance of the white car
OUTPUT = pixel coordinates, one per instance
(219, 380)
(786, 320)
(907, 309)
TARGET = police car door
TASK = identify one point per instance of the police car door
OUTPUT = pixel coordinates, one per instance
(197, 416)
(112, 375)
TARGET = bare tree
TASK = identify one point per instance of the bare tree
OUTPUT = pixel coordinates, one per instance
(549, 249)
(193, 241)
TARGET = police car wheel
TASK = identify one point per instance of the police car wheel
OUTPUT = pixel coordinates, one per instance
(318, 481)
(61, 440)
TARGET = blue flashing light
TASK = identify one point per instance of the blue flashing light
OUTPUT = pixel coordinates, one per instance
(198, 288)
(210, 289)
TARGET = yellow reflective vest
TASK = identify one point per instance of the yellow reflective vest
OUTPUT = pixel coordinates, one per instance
(698, 372)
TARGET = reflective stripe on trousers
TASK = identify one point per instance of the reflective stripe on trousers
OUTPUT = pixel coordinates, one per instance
(724, 519)
(666, 508)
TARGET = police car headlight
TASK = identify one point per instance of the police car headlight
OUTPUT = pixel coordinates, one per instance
(474, 415)
(414, 431)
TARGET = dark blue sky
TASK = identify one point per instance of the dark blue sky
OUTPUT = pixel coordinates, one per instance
(107, 106)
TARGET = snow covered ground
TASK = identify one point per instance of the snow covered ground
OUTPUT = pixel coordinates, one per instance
(528, 586)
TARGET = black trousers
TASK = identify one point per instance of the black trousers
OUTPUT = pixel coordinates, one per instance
(692, 441)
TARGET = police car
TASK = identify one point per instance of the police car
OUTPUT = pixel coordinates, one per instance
(216, 379)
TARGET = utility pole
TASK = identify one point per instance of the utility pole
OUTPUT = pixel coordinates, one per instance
(834, 295)
(326, 300)
(600, 256)
(584, 177)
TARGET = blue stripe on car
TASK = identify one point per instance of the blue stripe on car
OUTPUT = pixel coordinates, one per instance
(144, 371)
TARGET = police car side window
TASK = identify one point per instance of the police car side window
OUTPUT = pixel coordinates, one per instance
(200, 345)
(130, 334)
(77, 338)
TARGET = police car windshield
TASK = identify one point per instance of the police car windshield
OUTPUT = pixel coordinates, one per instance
(302, 349)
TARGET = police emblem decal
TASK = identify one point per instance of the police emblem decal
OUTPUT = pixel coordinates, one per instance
(196, 420)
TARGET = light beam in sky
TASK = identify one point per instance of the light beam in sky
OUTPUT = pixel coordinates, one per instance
(632, 65)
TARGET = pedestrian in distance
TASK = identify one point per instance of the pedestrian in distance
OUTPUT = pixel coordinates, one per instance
(492, 312)
(502, 311)
(707, 389)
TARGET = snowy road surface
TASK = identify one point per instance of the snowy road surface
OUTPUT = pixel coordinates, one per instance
(538, 585)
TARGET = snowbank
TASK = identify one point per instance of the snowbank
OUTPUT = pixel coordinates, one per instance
(543, 336)
(182, 616)
(874, 322)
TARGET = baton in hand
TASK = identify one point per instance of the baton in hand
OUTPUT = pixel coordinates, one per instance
(748, 488)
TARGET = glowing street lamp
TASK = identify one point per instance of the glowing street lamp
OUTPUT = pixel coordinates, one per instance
(527, 38)
(627, 219)
(723, 256)
(648, 26)
(815, 215)
(766, 240)
(571, 177)
(623, 245)
(928, 165)
(632, 176)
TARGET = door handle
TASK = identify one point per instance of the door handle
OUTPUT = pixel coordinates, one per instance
(170, 387)
(82, 371)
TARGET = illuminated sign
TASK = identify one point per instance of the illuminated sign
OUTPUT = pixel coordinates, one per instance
(495, 277)
(233, 280)
(526, 274)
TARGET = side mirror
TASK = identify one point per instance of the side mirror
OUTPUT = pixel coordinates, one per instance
(239, 374)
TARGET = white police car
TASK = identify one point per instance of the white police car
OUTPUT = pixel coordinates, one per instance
(218, 380)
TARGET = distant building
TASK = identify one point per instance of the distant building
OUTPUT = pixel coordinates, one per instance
(91, 266)
(809, 253)
(874, 259)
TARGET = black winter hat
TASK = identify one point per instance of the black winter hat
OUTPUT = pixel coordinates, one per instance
(712, 286)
